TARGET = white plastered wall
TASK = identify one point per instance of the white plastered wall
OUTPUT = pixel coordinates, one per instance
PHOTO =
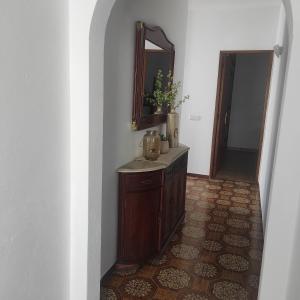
(280, 268)
(34, 150)
(214, 26)
(87, 21)
(273, 113)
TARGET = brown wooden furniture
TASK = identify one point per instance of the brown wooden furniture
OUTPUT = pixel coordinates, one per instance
(162, 54)
(151, 206)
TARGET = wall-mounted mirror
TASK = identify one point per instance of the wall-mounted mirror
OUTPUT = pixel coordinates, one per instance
(154, 52)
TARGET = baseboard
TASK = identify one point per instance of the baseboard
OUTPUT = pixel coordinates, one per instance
(260, 204)
(242, 149)
(198, 175)
(107, 274)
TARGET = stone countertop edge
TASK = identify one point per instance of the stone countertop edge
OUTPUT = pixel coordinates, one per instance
(141, 165)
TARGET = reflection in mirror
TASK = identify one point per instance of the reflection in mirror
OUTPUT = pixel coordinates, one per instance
(156, 59)
(150, 46)
(153, 53)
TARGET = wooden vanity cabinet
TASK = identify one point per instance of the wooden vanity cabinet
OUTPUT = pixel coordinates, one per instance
(151, 206)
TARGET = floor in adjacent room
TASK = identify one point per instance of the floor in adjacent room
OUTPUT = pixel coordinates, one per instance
(239, 165)
(215, 254)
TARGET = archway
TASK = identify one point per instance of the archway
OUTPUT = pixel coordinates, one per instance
(87, 31)
(88, 22)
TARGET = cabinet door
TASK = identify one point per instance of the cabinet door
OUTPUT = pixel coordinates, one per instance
(173, 203)
(139, 218)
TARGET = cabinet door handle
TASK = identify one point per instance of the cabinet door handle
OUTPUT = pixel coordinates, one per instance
(147, 181)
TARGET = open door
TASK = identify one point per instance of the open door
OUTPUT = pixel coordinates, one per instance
(251, 72)
(225, 89)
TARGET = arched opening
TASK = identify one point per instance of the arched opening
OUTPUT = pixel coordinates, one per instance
(97, 137)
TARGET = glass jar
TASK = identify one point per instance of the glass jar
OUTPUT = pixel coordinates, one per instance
(151, 145)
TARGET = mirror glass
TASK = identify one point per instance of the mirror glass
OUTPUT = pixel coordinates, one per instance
(156, 58)
(153, 52)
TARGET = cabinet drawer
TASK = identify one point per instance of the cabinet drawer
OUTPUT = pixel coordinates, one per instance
(143, 181)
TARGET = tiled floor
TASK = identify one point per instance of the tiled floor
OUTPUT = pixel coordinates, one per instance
(215, 254)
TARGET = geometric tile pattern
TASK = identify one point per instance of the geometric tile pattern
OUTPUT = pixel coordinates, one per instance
(205, 270)
(236, 240)
(226, 290)
(138, 288)
(192, 296)
(173, 278)
(185, 251)
(215, 254)
(234, 262)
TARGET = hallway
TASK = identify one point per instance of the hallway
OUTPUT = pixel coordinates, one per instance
(238, 165)
(215, 254)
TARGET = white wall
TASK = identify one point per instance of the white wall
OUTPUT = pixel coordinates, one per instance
(280, 268)
(88, 19)
(273, 114)
(293, 283)
(81, 255)
(34, 150)
(248, 99)
(215, 26)
(121, 145)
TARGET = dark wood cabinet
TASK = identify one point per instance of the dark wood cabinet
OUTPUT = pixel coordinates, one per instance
(151, 206)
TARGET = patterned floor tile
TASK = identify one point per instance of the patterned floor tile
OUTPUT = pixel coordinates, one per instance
(173, 278)
(215, 254)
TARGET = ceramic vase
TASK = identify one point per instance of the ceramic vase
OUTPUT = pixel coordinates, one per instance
(172, 129)
(164, 147)
(158, 110)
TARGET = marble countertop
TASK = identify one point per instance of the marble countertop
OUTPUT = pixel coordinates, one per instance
(140, 164)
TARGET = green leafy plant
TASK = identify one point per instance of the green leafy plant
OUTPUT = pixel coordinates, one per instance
(166, 95)
(163, 138)
(159, 93)
(158, 98)
(172, 93)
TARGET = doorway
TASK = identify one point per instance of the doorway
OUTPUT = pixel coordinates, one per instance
(242, 98)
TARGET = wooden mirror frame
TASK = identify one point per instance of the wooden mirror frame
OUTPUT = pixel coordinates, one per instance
(157, 36)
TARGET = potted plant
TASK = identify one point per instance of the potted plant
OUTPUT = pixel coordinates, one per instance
(166, 96)
(164, 144)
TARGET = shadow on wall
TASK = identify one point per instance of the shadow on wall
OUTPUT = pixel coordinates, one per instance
(96, 38)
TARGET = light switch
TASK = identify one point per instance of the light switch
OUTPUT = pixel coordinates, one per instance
(195, 117)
